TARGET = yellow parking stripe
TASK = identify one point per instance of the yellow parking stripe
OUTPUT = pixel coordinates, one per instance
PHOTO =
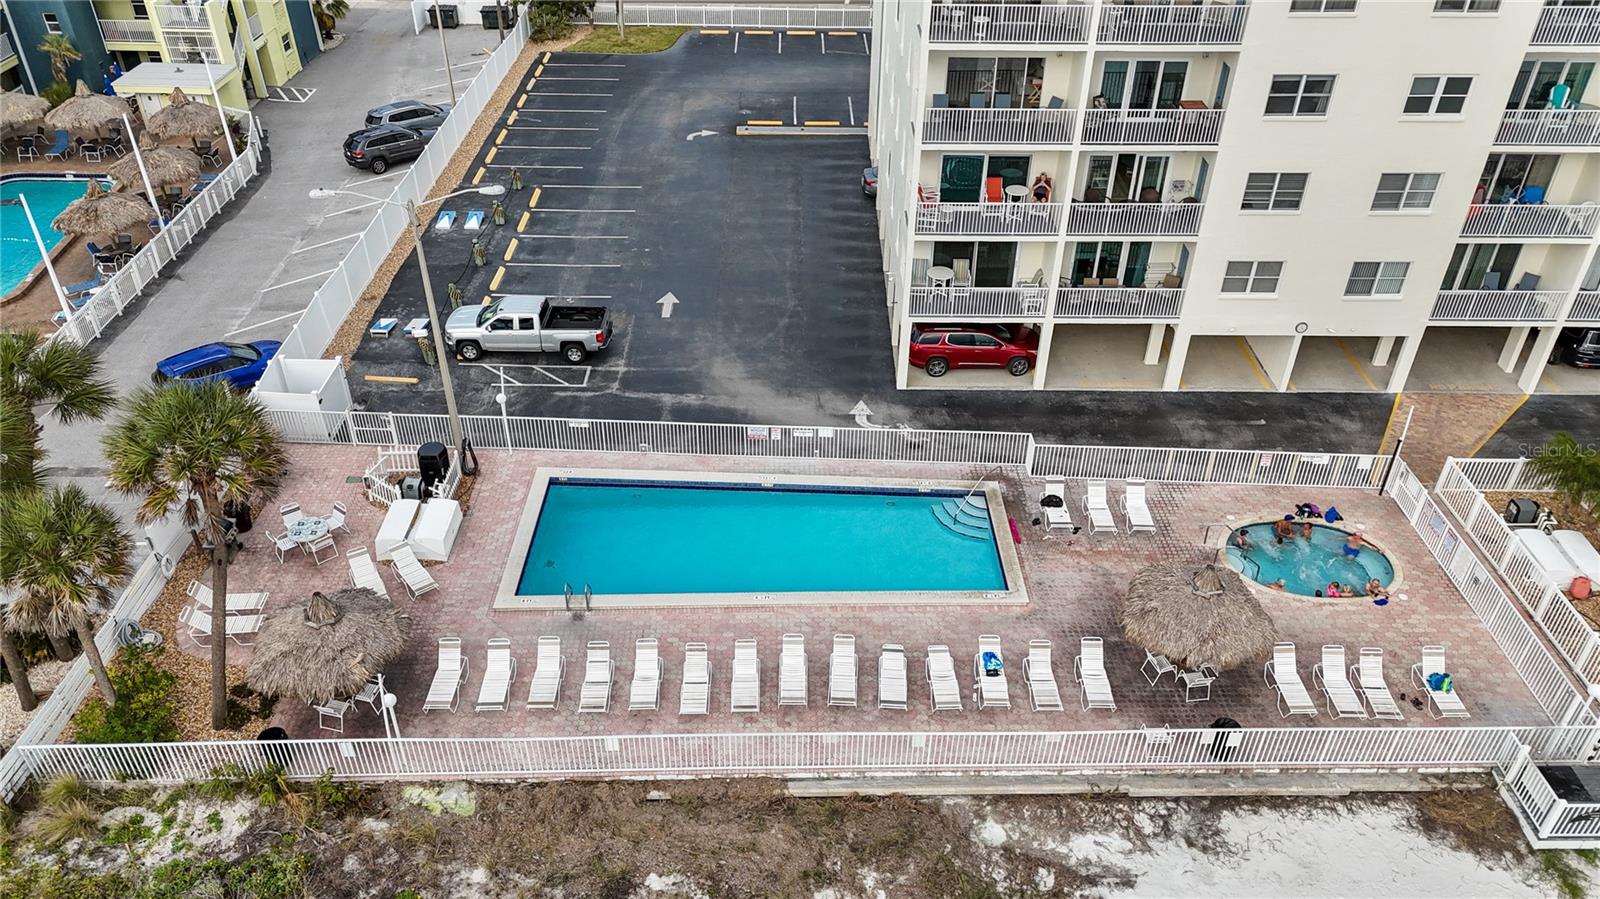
(539, 71)
(490, 156)
(534, 199)
(485, 300)
(494, 284)
(843, 33)
(758, 32)
(522, 224)
(530, 83)
(511, 247)
(391, 379)
(478, 177)
(764, 122)
(1250, 357)
(822, 123)
(521, 100)
(1354, 363)
(796, 33)
(1497, 426)
(512, 119)
(547, 56)
(501, 137)
(713, 31)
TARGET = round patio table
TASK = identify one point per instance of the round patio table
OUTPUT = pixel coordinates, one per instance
(308, 529)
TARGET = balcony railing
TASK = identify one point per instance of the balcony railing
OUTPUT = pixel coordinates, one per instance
(999, 126)
(182, 16)
(1200, 127)
(1586, 308)
(6, 50)
(990, 219)
(979, 302)
(1009, 23)
(1523, 220)
(138, 31)
(1550, 127)
(1209, 23)
(254, 23)
(1134, 219)
(1567, 26)
(1119, 302)
(1497, 305)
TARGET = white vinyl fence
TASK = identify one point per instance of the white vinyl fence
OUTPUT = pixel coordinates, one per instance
(1549, 816)
(710, 15)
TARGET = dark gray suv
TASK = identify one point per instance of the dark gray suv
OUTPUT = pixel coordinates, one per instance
(380, 147)
(413, 114)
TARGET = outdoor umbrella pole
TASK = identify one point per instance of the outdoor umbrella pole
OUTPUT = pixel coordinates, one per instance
(149, 191)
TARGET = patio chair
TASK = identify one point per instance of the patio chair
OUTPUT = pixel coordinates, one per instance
(448, 675)
(236, 604)
(90, 151)
(842, 671)
(1368, 674)
(1281, 676)
(792, 670)
(644, 694)
(1158, 666)
(370, 693)
(363, 573)
(283, 543)
(499, 670)
(1097, 507)
(695, 696)
(235, 627)
(412, 573)
(1056, 516)
(27, 149)
(989, 689)
(597, 668)
(892, 677)
(291, 513)
(336, 518)
(1135, 509)
(334, 709)
(208, 152)
(1197, 684)
(1037, 669)
(942, 685)
(1441, 703)
(59, 149)
(546, 685)
(1329, 676)
(745, 691)
(1089, 670)
(82, 288)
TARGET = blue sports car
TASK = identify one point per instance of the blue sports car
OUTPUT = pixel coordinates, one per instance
(239, 364)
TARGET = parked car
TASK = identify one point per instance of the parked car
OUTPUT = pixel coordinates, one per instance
(869, 181)
(937, 349)
(380, 147)
(413, 114)
(239, 364)
(522, 323)
(1578, 347)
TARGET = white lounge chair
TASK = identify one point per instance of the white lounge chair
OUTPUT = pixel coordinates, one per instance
(1280, 674)
(942, 685)
(1098, 507)
(745, 690)
(1329, 676)
(892, 677)
(1039, 672)
(1089, 670)
(792, 670)
(597, 667)
(989, 691)
(412, 573)
(237, 604)
(546, 685)
(363, 573)
(842, 671)
(695, 697)
(1135, 509)
(1368, 674)
(448, 676)
(1440, 703)
(1157, 665)
(644, 693)
(334, 709)
(236, 627)
(499, 670)
(1056, 516)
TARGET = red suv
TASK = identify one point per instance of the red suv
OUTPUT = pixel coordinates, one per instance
(937, 349)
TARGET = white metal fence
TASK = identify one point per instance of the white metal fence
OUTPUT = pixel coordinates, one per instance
(127, 30)
(1009, 23)
(1013, 303)
(1119, 302)
(1134, 219)
(1586, 308)
(1569, 24)
(1220, 22)
(1026, 219)
(1497, 305)
(1210, 466)
(979, 302)
(944, 125)
(403, 462)
(854, 18)
(1200, 127)
(1531, 220)
(1550, 128)
(1548, 815)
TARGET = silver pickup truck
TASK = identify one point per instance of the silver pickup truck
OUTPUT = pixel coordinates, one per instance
(523, 323)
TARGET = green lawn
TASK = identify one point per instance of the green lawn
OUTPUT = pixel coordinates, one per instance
(639, 40)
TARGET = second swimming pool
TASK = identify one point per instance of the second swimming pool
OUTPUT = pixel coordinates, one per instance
(1307, 566)
(47, 197)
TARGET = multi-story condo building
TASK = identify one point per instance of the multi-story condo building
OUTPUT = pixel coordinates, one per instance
(1272, 194)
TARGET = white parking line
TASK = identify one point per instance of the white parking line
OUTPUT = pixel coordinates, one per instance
(567, 94)
(559, 296)
(539, 147)
(852, 105)
(325, 243)
(462, 65)
(796, 108)
(864, 45)
(576, 78)
(566, 264)
(736, 42)
(594, 186)
(354, 208)
(549, 128)
(389, 174)
(267, 322)
(548, 209)
(584, 65)
(542, 110)
(580, 236)
(459, 84)
(298, 280)
(507, 165)
(557, 376)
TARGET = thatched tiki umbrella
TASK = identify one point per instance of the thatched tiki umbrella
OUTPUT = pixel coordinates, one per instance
(327, 647)
(183, 117)
(86, 111)
(18, 109)
(1196, 615)
(166, 165)
(99, 213)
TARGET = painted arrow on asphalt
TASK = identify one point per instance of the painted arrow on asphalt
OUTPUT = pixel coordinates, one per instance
(701, 133)
(666, 303)
(862, 413)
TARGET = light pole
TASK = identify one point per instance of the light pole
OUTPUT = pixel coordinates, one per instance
(149, 191)
(27, 212)
(438, 20)
(435, 332)
(227, 133)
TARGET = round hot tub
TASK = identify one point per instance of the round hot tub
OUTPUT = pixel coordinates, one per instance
(1307, 566)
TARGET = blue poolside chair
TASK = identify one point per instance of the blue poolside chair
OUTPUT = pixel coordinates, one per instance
(82, 288)
(59, 150)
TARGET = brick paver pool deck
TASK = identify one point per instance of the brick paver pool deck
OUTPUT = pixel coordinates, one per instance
(1075, 588)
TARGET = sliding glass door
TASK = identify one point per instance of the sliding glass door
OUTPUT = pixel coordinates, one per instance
(991, 263)
(1124, 263)
(1142, 84)
(1482, 266)
(1536, 83)
(1125, 178)
(999, 82)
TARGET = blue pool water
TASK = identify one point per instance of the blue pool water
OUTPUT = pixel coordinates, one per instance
(46, 198)
(1307, 566)
(643, 538)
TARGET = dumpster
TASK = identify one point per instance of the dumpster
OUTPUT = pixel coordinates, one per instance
(444, 15)
(487, 12)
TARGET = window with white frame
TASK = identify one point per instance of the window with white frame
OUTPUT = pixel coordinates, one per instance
(1376, 279)
(1252, 277)
(52, 23)
(1438, 94)
(1299, 95)
(1466, 5)
(1405, 191)
(1321, 6)
(1274, 191)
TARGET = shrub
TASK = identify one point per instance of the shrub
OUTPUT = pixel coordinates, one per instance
(551, 20)
(57, 93)
(1572, 469)
(144, 712)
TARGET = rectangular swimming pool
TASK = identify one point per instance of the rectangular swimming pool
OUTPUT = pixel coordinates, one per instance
(693, 538)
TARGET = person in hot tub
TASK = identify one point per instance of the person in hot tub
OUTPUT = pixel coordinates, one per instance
(1241, 539)
(1375, 587)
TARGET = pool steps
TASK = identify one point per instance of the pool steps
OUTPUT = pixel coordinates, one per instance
(968, 516)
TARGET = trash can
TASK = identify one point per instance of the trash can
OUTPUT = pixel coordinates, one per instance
(488, 14)
(274, 749)
(1220, 748)
(238, 514)
(449, 13)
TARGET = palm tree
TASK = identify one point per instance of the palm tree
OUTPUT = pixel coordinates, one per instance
(60, 375)
(194, 449)
(62, 554)
(61, 52)
(19, 448)
(1573, 470)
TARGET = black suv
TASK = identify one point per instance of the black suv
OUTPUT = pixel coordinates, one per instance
(1578, 347)
(413, 114)
(378, 148)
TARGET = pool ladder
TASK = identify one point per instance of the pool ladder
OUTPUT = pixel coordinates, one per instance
(568, 596)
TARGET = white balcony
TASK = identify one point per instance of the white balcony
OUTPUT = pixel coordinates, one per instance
(1210, 24)
(1009, 23)
(1134, 219)
(1522, 220)
(990, 219)
(999, 126)
(1586, 309)
(1003, 303)
(131, 31)
(1567, 26)
(1152, 127)
(1119, 302)
(181, 16)
(1497, 305)
(1550, 127)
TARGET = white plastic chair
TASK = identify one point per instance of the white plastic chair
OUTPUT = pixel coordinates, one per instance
(1135, 509)
(695, 695)
(237, 603)
(1158, 666)
(315, 548)
(336, 518)
(291, 513)
(892, 677)
(1089, 670)
(1038, 670)
(989, 691)
(334, 709)
(1440, 703)
(500, 669)
(235, 627)
(283, 543)
(1368, 674)
(1056, 516)
(597, 668)
(1280, 673)
(448, 675)
(792, 670)
(1098, 508)
(363, 573)
(546, 685)
(842, 671)
(943, 689)
(644, 692)
(1330, 677)
(746, 685)
(412, 572)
